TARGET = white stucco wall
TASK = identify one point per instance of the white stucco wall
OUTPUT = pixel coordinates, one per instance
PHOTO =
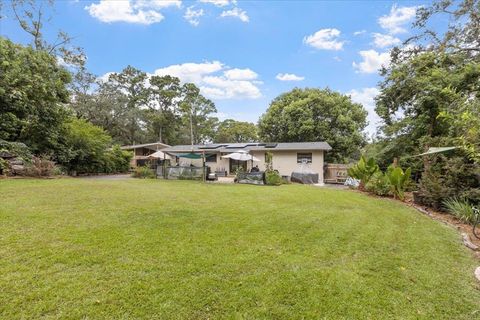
(286, 162)
(283, 161)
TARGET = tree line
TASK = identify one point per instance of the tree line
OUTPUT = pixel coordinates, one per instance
(48, 96)
(430, 97)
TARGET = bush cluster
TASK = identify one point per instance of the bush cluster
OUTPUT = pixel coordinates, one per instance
(460, 208)
(88, 150)
(17, 149)
(394, 181)
(113, 160)
(82, 161)
(3, 166)
(379, 185)
(450, 177)
(143, 172)
(273, 178)
(116, 160)
(41, 167)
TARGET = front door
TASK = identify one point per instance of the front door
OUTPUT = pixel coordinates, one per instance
(235, 164)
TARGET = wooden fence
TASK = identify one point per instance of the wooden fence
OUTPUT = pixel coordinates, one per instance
(336, 173)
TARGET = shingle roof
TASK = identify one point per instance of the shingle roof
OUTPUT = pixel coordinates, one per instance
(257, 146)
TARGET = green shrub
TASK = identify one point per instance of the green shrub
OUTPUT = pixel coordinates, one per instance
(399, 180)
(379, 184)
(87, 145)
(363, 171)
(57, 171)
(3, 166)
(239, 171)
(433, 189)
(17, 149)
(450, 177)
(460, 208)
(143, 172)
(273, 178)
(116, 160)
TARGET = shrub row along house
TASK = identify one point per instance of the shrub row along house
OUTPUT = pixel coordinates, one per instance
(286, 157)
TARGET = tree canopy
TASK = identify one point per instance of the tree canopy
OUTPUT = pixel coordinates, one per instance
(316, 115)
(427, 87)
(430, 97)
(230, 130)
(33, 94)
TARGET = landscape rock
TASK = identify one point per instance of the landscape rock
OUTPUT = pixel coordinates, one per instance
(17, 168)
(16, 162)
(468, 243)
(477, 273)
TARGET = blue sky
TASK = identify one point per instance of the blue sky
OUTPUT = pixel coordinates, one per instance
(241, 54)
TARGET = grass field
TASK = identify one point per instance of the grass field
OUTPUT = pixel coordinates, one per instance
(133, 249)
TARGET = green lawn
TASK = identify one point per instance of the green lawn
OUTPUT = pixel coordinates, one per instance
(130, 249)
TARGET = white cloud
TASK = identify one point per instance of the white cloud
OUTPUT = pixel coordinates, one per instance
(157, 4)
(130, 11)
(63, 63)
(359, 32)
(219, 3)
(240, 74)
(384, 40)
(395, 21)
(337, 58)
(211, 92)
(104, 78)
(366, 97)
(192, 16)
(325, 39)
(219, 87)
(372, 61)
(190, 72)
(236, 13)
(289, 77)
(216, 80)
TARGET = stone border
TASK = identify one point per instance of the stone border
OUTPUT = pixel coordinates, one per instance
(468, 243)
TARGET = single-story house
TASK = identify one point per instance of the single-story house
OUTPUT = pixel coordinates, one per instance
(142, 151)
(286, 157)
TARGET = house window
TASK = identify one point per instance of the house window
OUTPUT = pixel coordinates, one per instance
(211, 158)
(304, 158)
